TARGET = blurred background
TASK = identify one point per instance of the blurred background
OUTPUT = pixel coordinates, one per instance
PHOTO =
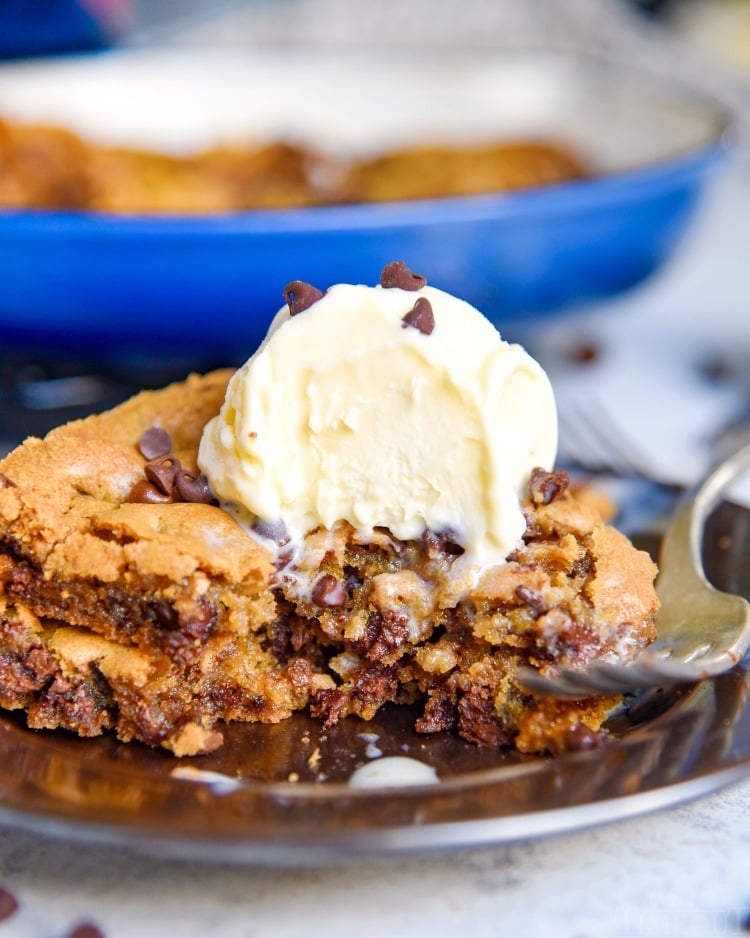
(680, 326)
(719, 28)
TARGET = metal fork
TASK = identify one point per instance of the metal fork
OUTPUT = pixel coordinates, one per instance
(590, 440)
(701, 630)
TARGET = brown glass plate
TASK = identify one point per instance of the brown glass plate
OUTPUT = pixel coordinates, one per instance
(281, 793)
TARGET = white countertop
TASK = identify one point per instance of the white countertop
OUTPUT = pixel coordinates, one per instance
(681, 872)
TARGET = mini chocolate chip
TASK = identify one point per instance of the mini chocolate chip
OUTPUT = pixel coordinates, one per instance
(581, 737)
(8, 904)
(545, 486)
(532, 598)
(272, 530)
(144, 492)
(154, 443)
(283, 558)
(301, 296)
(397, 274)
(192, 488)
(5, 482)
(328, 591)
(584, 353)
(162, 473)
(86, 930)
(200, 622)
(442, 542)
(715, 370)
(420, 317)
(165, 614)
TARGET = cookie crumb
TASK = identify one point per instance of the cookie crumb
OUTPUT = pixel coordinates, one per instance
(314, 758)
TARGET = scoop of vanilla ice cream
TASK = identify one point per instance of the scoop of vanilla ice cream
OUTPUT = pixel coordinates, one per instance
(346, 412)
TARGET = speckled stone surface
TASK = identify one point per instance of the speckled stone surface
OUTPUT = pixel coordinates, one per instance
(680, 872)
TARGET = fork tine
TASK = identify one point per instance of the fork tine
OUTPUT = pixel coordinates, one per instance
(591, 439)
(624, 454)
(652, 668)
(602, 678)
(571, 688)
(611, 678)
(580, 447)
(556, 686)
(571, 684)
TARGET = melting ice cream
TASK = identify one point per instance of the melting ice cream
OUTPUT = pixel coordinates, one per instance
(396, 406)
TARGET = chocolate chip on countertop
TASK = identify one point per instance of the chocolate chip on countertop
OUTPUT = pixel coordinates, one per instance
(584, 353)
(301, 296)
(86, 930)
(155, 442)
(328, 591)
(545, 486)
(716, 369)
(8, 904)
(397, 274)
(420, 317)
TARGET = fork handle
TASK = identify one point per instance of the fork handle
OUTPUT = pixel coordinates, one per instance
(681, 549)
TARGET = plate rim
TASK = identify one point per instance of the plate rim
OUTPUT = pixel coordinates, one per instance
(430, 809)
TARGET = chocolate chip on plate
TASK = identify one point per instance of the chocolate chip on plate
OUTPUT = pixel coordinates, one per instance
(584, 353)
(301, 296)
(420, 316)
(155, 442)
(397, 274)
